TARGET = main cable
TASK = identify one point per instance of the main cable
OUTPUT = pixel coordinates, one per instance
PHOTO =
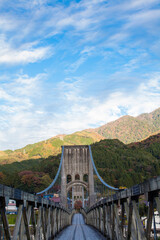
(55, 179)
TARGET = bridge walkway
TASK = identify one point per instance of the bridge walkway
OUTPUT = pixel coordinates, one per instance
(79, 231)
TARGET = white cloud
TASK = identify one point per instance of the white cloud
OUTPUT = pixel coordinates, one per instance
(29, 112)
(19, 111)
(84, 55)
(27, 121)
(7, 24)
(146, 18)
(86, 112)
(88, 50)
(90, 20)
(10, 55)
(74, 66)
(138, 4)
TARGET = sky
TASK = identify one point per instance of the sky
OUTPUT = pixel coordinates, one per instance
(66, 66)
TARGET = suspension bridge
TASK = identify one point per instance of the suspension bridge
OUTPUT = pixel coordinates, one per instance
(107, 212)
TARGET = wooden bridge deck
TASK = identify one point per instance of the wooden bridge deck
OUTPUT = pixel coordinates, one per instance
(79, 231)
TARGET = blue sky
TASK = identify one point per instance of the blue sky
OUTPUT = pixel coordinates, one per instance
(71, 65)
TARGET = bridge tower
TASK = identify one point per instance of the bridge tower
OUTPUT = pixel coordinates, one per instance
(77, 174)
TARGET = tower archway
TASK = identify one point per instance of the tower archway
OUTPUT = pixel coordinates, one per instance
(77, 164)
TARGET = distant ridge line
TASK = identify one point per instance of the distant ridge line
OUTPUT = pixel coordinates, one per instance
(127, 129)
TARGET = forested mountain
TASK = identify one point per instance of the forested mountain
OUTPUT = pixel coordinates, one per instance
(118, 164)
(131, 129)
(127, 129)
(126, 165)
(50, 147)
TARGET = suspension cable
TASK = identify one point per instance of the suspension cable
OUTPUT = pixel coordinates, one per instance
(55, 179)
(95, 169)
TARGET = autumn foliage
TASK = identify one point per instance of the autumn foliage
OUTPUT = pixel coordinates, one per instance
(27, 180)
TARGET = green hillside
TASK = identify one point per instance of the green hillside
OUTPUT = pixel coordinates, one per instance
(50, 147)
(126, 165)
(117, 163)
(132, 129)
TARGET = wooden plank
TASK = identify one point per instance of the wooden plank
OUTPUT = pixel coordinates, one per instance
(133, 229)
(97, 213)
(48, 235)
(33, 220)
(122, 218)
(94, 217)
(55, 221)
(52, 222)
(22, 226)
(43, 222)
(18, 222)
(4, 218)
(158, 204)
(139, 224)
(22, 230)
(39, 223)
(149, 220)
(104, 220)
(129, 211)
(60, 212)
(61, 220)
(99, 219)
(112, 221)
(108, 222)
(26, 223)
(118, 228)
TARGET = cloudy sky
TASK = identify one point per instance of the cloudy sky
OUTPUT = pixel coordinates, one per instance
(71, 65)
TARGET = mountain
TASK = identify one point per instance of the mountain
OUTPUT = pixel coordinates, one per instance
(127, 129)
(122, 164)
(49, 147)
(118, 164)
(131, 129)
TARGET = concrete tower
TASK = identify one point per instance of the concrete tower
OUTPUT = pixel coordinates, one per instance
(77, 174)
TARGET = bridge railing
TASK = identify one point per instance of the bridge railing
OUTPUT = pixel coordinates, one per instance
(118, 216)
(37, 218)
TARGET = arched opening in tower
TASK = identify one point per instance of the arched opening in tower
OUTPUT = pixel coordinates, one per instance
(77, 177)
(77, 193)
(69, 178)
(85, 178)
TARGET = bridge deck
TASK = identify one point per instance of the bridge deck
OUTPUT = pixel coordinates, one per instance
(79, 231)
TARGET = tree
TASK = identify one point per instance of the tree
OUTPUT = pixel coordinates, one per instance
(2, 177)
